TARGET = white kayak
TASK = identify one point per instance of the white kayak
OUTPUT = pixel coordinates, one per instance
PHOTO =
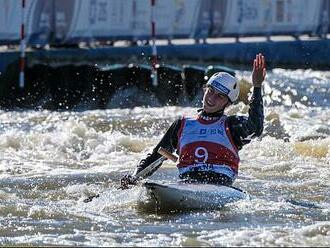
(169, 196)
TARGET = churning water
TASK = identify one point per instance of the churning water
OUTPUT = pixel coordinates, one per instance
(51, 161)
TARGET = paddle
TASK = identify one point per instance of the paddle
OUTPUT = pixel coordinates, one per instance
(143, 174)
(165, 153)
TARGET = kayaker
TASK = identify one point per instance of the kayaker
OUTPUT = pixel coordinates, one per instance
(208, 144)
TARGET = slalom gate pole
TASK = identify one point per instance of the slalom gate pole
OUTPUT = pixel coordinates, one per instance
(154, 62)
(22, 48)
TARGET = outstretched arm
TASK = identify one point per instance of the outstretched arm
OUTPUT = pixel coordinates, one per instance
(244, 128)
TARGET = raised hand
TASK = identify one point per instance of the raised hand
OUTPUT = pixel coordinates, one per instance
(259, 70)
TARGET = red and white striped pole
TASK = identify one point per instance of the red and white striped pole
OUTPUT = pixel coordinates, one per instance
(22, 48)
(154, 48)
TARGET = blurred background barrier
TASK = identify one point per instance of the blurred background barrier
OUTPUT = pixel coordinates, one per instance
(68, 22)
(86, 54)
(77, 87)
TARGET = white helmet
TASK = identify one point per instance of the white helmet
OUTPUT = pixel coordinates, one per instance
(225, 84)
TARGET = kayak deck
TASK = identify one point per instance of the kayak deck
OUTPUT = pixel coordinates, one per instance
(172, 196)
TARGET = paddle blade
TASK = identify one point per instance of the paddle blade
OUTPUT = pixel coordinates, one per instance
(90, 198)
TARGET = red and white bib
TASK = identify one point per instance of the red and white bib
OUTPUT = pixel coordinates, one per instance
(207, 146)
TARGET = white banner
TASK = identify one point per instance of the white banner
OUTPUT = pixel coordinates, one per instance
(10, 20)
(70, 21)
(37, 21)
(268, 16)
(132, 18)
(97, 18)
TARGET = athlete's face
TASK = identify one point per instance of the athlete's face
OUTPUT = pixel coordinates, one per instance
(213, 101)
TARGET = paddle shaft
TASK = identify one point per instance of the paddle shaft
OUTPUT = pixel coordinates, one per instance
(167, 154)
(145, 172)
(154, 165)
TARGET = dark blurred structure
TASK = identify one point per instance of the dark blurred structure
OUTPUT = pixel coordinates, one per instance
(70, 42)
